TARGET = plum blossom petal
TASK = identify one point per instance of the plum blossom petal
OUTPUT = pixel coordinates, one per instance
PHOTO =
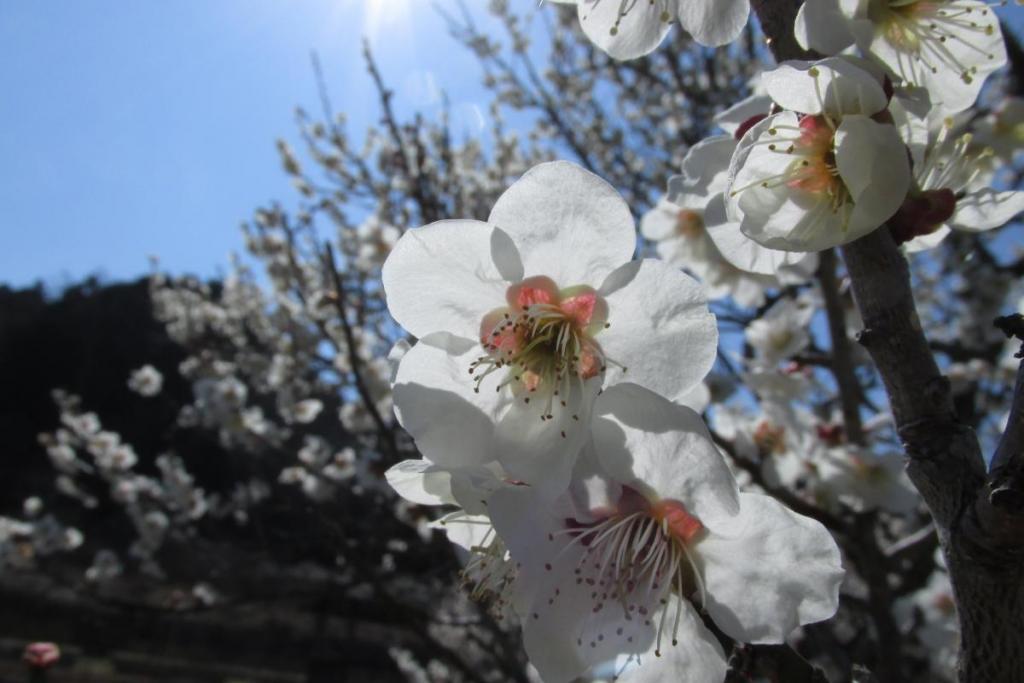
(437, 406)
(421, 482)
(929, 241)
(640, 437)
(872, 162)
(538, 450)
(704, 179)
(769, 570)
(568, 224)
(458, 427)
(821, 26)
(682, 239)
(569, 629)
(986, 209)
(714, 23)
(748, 255)
(835, 86)
(655, 310)
(465, 531)
(705, 172)
(949, 48)
(626, 30)
(698, 658)
(443, 277)
(734, 117)
(697, 399)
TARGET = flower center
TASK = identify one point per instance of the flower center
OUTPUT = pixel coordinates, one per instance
(770, 439)
(689, 223)
(544, 338)
(926, 29)
(811, 145)
(490, 573)
(953, 161)
(634, 558)
(815, 169)
(867, 471)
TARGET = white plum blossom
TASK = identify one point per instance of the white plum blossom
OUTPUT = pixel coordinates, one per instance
(306, 411)
(320, 471)
(690, 229)
(865, 480)
(652, 529)
(522, 321)
(489, 574)
(627, 29)
(1003, 129)
(781, 332)
(342, 466)
(952, 192)
(702, 185)
(681, 238)
(828, 170)
(948, 47)
(146, 381)
(782, 438)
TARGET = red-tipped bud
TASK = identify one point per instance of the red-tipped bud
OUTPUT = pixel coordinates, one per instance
(922, 214)
(831, 434)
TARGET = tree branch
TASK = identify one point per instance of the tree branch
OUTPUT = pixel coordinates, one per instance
(842, 364)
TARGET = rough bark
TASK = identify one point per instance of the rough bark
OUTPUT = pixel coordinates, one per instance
(978, 514)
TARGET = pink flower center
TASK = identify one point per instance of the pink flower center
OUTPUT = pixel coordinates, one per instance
(810, 146)
(544, 337)
(817, 169)
(633, 557)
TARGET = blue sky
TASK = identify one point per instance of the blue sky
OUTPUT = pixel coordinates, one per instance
(150, 128)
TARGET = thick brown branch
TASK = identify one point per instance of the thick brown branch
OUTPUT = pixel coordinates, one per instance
(1006, 479)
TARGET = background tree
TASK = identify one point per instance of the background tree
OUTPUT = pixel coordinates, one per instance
(251, 482)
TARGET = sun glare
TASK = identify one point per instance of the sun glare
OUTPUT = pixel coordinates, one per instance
(380, 15)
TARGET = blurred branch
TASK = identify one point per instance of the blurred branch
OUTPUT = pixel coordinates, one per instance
(771, 663)
(842, 364)
(784, 495)
(338, 299)
(430, 209)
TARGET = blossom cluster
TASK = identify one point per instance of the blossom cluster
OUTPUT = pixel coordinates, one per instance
(609, 492)
(823, 153)
(540, 395)
(828, 151)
